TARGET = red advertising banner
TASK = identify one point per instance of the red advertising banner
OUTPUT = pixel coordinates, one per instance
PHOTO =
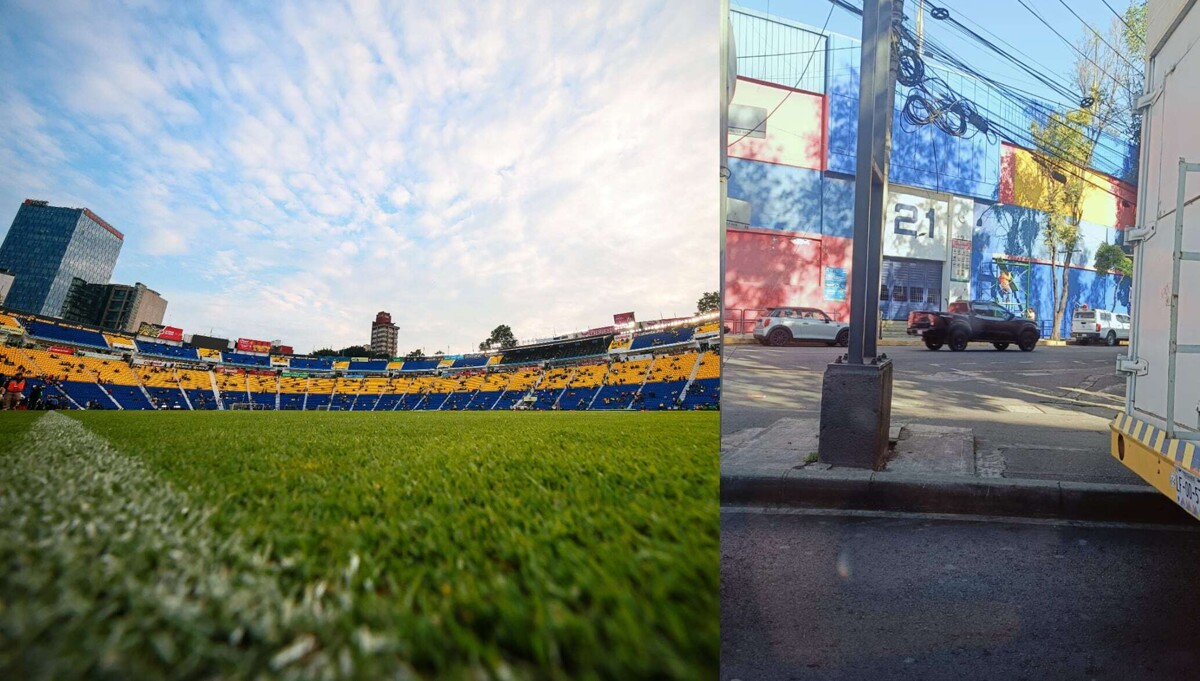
(59, 350)
(599, 331)
(284, 349)
(251, 345)
(171, 333)
(623, 318)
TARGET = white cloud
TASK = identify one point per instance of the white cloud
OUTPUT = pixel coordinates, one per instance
(288, 174)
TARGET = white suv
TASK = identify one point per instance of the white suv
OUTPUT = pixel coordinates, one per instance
(1099, 325)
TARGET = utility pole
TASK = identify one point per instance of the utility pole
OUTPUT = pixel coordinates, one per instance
(856, 394)
(727, 80)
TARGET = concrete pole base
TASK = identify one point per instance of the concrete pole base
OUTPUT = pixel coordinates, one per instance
(856, 414)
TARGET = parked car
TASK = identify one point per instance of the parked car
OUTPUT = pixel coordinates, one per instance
(782, 325)
(969, 322)
(1089, 325)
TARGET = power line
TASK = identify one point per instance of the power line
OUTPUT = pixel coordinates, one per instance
(789, 92)
(1068, 42)
(1117, 14)
(1097, 34)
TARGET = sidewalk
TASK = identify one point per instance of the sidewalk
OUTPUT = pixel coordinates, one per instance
(933, 469)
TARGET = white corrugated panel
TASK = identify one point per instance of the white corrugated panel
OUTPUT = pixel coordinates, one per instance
(1173, 134)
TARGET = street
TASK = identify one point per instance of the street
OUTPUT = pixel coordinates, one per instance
(1044, 414)
(828, 595)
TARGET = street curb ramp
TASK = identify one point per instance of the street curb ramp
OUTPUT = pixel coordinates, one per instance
(867, 490)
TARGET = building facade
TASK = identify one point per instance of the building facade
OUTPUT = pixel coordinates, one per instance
(47, 247)
(384, 334)
(113, 307)
(6, 282)
(960, 211)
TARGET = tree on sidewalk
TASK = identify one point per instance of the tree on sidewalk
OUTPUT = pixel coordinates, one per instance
(1110, 259)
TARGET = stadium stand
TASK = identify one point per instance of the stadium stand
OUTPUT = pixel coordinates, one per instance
(184, 352)
(242, 359)
(232, 385)
(661, 338)
(552, 386)
(10, 324)
(705, 390)
(263, 389)
(584, 374)
(120, 342)
(310, 364)
(548, 352)
(65, 334)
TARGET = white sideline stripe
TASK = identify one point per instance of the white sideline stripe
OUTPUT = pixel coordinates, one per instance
(73, 506)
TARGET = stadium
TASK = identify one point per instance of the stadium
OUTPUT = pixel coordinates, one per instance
(462, 536)
(664, 365)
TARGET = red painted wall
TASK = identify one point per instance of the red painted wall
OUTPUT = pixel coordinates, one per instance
(771, 269)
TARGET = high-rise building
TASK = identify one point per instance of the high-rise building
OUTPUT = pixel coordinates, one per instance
(115, 307)
(384, 334)
(47, 247)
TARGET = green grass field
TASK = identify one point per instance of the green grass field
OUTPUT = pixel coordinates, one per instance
(359, 545)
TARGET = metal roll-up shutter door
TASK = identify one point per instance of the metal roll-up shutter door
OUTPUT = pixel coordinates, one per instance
(907, 285)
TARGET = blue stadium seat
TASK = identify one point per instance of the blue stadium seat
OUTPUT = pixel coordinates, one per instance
(577, 399)
(201, 399)
(311, 364)
(483, 401)
(130, 396)
(434, 401)
(84, 392)
(387, 402)
(615, 397)
(661, 338)
(242, 359)
(164, 350)
(65, 334)
(703, 393)
(661, 395)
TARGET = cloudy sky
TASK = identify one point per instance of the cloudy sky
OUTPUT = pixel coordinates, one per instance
(286, 170)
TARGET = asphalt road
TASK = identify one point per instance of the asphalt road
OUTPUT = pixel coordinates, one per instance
(818, 596)
(1045, 413)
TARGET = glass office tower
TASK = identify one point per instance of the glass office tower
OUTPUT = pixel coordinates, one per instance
(49, 246)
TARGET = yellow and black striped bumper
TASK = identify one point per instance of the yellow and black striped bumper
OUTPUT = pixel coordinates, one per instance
(1170, 465)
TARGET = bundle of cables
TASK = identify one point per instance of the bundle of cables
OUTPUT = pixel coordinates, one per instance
(930, 99)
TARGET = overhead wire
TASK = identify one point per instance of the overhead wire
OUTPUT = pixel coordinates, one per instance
(1068, 43)
(955, 114)
(1117, 14)
(788, 94)
(1097, 34)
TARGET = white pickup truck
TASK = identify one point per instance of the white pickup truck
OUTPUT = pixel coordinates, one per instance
(1158, 433)
(1096, 326)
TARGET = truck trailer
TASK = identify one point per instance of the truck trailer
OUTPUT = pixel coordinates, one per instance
(1158, 432)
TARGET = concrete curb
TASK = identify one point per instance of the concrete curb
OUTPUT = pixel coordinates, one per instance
(866, 490)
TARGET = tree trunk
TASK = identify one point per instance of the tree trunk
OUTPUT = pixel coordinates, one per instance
(1061, 308)
(1054, 335)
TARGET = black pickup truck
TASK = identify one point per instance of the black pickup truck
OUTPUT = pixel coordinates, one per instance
(976, 321)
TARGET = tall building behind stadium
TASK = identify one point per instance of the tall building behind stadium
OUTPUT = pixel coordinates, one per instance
(384, 334)
(48, 247)
(964, 215)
